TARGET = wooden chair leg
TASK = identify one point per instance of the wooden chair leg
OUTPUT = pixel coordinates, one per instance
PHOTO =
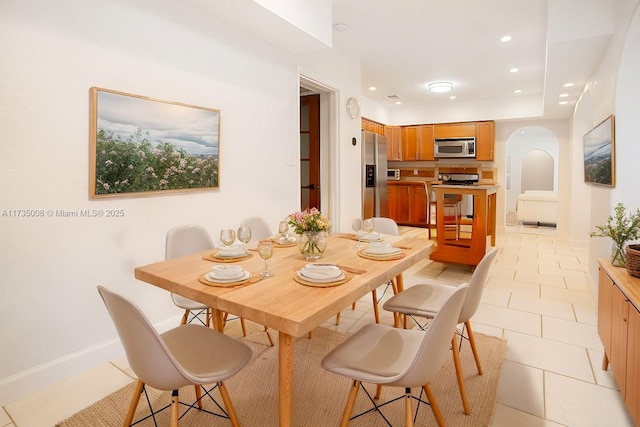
(459, 376)
(353, 306)
(233, 417)
(376, 313)
(198, 395)
(474, 349)
(378, 392)
(134, 404)
(434, 405)
(605, 362)
(338, 318)
(175, 409)
(408, 408)
(351, 401)
(185, 316)
(266, 331)
(244, 328)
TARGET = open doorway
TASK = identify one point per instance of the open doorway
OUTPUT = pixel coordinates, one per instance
(326, 189)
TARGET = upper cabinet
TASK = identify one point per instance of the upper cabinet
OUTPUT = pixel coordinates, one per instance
(417, 143)
(454, 130)
(371, 126)
(394, 142)
(485, 137)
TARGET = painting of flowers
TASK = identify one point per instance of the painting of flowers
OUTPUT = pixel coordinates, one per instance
(145, 146)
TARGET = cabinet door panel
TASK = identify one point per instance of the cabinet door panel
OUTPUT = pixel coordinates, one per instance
(410, 143)
(605, 295)
(425, 149)
(419, 205)
(454, 130)
(392, 200)
(619, 330)
(403, 203)
(632, 397)
(394, 142)
(485, 140)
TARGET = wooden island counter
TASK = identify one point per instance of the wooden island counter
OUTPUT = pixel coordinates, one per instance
(455, 243)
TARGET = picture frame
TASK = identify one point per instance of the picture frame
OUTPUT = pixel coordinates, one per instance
(599, 154)
(142, 146)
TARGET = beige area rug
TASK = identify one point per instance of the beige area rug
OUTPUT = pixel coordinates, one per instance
(319, 395)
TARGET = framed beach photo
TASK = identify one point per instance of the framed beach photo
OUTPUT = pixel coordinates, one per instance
(145, 146)
(599, 154)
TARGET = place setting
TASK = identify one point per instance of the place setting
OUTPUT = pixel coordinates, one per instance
(283, 239)
(230, 251)
(321, 275)
(379, 251)
(223, 276)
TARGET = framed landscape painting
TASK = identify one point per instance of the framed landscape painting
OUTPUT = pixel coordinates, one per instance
(145, 146)
(599, 154)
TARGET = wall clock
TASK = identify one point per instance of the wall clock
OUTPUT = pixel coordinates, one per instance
(353, 108)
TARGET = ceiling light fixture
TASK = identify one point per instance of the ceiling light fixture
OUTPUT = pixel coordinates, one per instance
(452, 97)
(440, 87)
(517, 91)
(372, 88)
(567, 84)
(513, 70)
(505, 38)
(563, 102)
(564, 95)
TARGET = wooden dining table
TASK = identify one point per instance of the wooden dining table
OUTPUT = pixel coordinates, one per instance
(280, 302)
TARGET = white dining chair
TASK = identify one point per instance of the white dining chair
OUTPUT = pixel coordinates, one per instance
(388, 356)
(425, 300)
(259, 228)
(185, 355)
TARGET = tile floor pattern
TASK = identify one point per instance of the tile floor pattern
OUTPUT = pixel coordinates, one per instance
(536, 297)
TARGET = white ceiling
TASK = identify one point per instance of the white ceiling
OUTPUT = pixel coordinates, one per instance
(405, 44)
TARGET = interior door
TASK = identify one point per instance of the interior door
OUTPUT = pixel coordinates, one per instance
(310, 151)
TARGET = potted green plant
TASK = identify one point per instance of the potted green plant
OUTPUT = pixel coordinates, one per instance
(621, 229)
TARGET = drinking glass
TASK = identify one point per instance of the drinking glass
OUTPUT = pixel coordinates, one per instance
(367, 225)
(244, 234)
(356, 224)
(265, 250)
(283, 227)
(227, 237)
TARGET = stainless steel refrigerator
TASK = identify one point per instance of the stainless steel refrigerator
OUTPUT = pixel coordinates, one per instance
(374, 175)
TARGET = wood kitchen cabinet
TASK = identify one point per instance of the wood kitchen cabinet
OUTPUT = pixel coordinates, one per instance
(371, 126)
(485, 140)
(454, 130)
(407, 203)
(619, 330)
(417, 143)
(394, 142)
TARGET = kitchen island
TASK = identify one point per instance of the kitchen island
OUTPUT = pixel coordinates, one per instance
(464, 239)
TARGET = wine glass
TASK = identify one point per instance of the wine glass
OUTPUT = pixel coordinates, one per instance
(283, 227)
(265, 250)
(227, 237)
(244, 234)
(356, 224)
(367, 225)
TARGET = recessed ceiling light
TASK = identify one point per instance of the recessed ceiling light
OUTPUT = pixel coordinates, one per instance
(567, 84)
(505, 38)
(513, 70)
(452, 97)
(564, 95)
(517, 91)
(372, 88)
(398, 102)
(563, 102)
(340, 27)
(440, 87)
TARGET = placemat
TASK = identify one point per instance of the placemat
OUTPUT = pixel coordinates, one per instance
(215, 258)
(251, 280)
(300, 280)
(399, 255)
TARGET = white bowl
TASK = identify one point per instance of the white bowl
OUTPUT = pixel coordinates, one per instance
(234, 250)
(226, 271)
(378, 248)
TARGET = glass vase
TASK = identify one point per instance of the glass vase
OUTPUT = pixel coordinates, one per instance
(312, 244)
(618, 257)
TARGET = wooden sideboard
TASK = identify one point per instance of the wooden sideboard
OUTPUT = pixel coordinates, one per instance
(619, 330)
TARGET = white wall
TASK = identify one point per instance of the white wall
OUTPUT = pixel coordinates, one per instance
(612, 89)
(53, 322)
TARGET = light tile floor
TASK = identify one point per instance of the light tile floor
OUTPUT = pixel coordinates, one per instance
(537, 298)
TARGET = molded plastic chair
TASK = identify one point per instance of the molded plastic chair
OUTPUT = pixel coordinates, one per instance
(185, 355)
(383, 226)
(408, 358)
(425, 300)
(186, 240)
(259, 228)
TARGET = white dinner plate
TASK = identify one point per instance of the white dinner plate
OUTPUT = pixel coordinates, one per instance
(229, 275)
(321, 272)
(369, 237)
(381, 250)
(321, 280)
(213, 279)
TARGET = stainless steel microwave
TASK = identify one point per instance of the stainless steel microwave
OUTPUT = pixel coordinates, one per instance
(393, 174)
(454, 147)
